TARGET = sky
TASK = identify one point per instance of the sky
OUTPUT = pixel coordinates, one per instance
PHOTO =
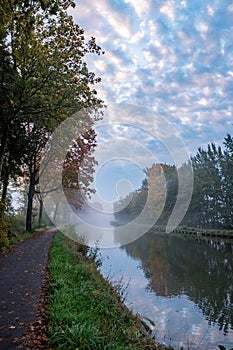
(172, 58)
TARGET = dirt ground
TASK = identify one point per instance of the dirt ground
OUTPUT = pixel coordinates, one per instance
(23, 272)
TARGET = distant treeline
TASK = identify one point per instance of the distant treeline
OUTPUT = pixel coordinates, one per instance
(211, 205)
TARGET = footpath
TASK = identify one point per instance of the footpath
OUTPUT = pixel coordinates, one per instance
(23, 272)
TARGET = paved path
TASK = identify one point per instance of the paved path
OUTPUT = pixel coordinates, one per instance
(22, 273)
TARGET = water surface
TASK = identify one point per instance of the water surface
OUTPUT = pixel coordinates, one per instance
(182, 284)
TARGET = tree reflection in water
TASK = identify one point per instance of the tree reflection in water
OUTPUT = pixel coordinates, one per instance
(200, 268)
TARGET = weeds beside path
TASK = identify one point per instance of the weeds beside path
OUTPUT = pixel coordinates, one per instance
(23, 272)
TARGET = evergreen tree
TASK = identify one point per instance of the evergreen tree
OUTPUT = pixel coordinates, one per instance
(227, 181)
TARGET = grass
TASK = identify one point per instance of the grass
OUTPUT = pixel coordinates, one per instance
(84, 311)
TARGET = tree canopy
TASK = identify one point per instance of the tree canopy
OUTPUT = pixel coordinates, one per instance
(44, 79)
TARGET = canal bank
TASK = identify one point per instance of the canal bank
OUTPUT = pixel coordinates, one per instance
(200, 232)
(84, 311)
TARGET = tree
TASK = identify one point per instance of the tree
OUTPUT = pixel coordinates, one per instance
(227, 180)
(77, 171)
(206, 205)
(44, 78)
(17, 27)
(158, 184)
(211, 204)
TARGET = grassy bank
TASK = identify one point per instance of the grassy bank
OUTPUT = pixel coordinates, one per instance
(84, 311)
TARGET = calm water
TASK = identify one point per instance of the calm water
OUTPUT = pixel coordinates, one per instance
(184, 285)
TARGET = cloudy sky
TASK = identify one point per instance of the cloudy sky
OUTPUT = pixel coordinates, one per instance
(172, 57)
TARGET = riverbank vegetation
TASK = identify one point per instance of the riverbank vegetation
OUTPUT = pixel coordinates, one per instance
(84, 311)
(211, 205)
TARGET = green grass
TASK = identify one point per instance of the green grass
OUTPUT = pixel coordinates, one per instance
(84, 311)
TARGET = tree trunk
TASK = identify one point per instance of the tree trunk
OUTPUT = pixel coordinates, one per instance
(3, 148)
(55, 212)
(31, 193)
(5, 183)
(40, 212)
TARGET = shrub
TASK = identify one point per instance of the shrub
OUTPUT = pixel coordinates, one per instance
(4, 226)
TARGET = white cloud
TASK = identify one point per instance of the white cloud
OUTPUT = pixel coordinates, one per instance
(141, 7)
(154, 29)
(169, 10)
(203, 102)
(184, 3)
(148, 56)
(203, 27)
(100, 65)
(230, 8)
(210, 10)
(140, 34)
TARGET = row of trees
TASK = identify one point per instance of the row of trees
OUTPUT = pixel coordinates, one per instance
(43, 81)
(212, 198)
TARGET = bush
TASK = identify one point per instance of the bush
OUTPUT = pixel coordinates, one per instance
(4, 227)
(17, 224)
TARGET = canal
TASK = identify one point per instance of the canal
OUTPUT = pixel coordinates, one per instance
(181, 286)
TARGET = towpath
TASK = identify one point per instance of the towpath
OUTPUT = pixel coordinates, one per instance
(22, 277)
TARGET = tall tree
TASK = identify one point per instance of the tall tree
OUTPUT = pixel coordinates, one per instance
(17, 25)
(227, 180)
(206, 204)
(44, 78)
